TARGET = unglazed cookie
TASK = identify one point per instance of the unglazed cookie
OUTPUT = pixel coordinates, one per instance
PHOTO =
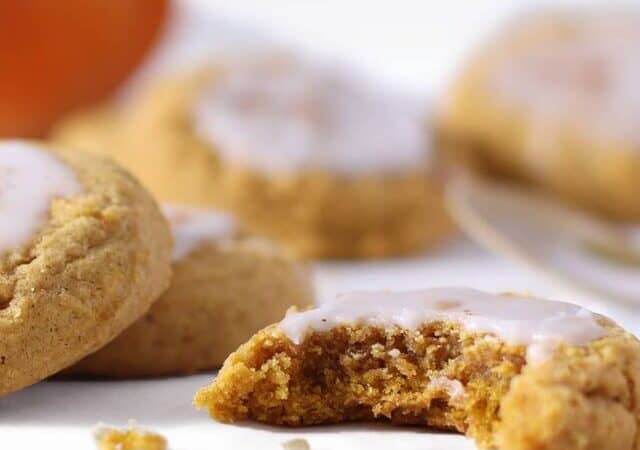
(312, 156)
(226, 286)
(84, 251)
(554, 100)
(516, 373)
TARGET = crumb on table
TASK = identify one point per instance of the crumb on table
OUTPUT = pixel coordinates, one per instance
(296, 444)
(132, 438)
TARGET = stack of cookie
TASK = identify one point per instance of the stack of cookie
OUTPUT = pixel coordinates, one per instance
(85, 255)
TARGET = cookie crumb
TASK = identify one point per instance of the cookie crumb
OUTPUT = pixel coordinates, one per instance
(296, 444)
(132, 438)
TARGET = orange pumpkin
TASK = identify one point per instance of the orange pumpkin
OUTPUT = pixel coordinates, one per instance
(59, 55)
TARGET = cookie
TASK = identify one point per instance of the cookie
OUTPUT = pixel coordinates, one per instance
(303, 153)
(84, 251)
(512, 372)
(226, 286)
(552, 101)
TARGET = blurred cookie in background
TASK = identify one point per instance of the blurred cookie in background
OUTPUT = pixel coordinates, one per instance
(92, 130)
(152, 135)
(554, 100)
(62, 55)
(321, 159)
(309, 154)
(226, 285)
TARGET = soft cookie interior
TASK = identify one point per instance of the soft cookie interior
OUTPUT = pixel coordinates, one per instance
(436, 375)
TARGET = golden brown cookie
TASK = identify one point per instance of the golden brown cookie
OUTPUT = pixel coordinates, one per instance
(552, 100)
(84, 251)
(226, 286)
(311, 156)
(512, 372)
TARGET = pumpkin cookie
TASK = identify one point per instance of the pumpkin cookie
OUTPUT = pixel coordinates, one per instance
(226, 286)
(516, 373)
(309, 155)
(553, 100)
(84, 251)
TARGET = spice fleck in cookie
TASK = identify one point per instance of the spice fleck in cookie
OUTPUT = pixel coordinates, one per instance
(512, 372)
(553, 100)
(84, 251)
(226, 286)
(305, 153)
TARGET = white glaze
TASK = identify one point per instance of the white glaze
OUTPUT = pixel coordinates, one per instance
(192, 227)
(394, 352)
(454, 388)
(587, 80)
(30, 178)
(536, 323)
(287, 115)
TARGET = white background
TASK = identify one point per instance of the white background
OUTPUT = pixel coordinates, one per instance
(414, 45)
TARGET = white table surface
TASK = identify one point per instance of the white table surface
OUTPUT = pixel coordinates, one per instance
(413, 48)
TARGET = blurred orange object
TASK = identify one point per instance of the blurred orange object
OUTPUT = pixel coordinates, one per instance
(58, 55)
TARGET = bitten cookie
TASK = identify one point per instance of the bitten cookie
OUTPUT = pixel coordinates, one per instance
(309, 155)
(84, 251)
(226, 286)
(553, 100)
(515, 373)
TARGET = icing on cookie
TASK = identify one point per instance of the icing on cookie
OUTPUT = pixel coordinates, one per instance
(288, 115)
(30, 178)
(585, 77)
(454, 389)
(538, 324)
(192, 227)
